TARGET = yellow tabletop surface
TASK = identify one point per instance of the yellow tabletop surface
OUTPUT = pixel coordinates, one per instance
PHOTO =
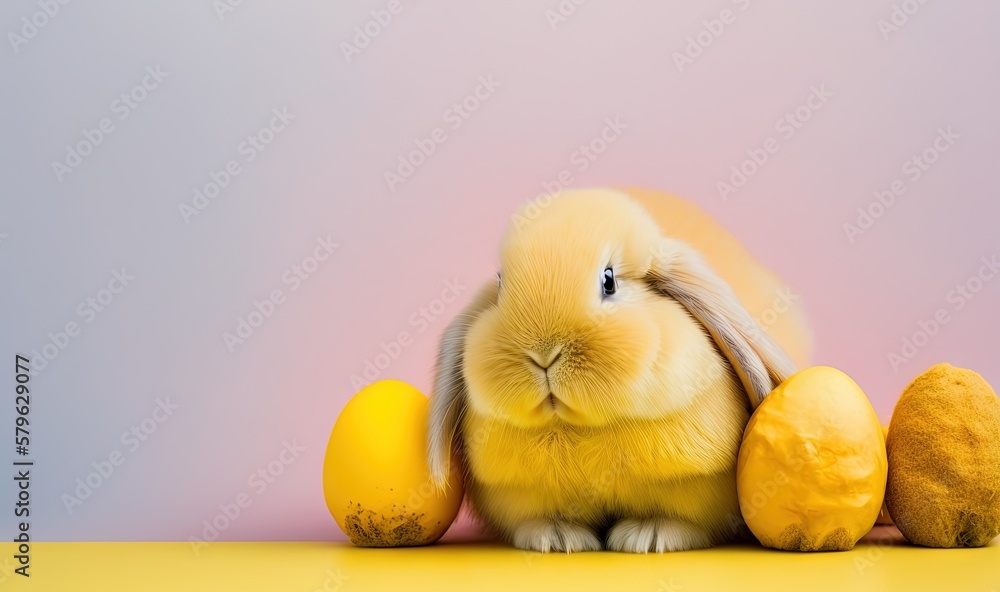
(880, 562)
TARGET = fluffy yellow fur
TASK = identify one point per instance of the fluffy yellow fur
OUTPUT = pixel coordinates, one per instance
(588, 417)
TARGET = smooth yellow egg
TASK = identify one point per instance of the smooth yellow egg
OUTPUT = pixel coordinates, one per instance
(812, 467)
(375, 476)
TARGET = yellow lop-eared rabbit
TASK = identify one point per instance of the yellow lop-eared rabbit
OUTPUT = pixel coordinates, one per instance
(597, 391)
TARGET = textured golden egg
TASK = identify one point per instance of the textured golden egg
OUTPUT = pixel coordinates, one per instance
(812, 466)
(375, 477)
(944, 460)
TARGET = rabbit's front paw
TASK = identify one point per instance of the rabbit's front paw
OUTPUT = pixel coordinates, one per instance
(550, 535)
(659, 535)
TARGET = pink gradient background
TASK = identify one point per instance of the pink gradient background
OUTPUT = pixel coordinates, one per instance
(398, 248)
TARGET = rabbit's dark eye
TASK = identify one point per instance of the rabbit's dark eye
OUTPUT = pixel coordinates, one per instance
(609, 282)
(499, 281)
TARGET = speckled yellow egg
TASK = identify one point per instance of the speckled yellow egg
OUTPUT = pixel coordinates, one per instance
(944, 452)
(375, 477)
(812, 467)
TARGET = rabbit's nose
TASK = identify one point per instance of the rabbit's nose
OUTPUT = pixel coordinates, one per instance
(546, 359)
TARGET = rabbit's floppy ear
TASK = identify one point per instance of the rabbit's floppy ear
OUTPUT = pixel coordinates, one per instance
(448, 398)
(680, 272)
